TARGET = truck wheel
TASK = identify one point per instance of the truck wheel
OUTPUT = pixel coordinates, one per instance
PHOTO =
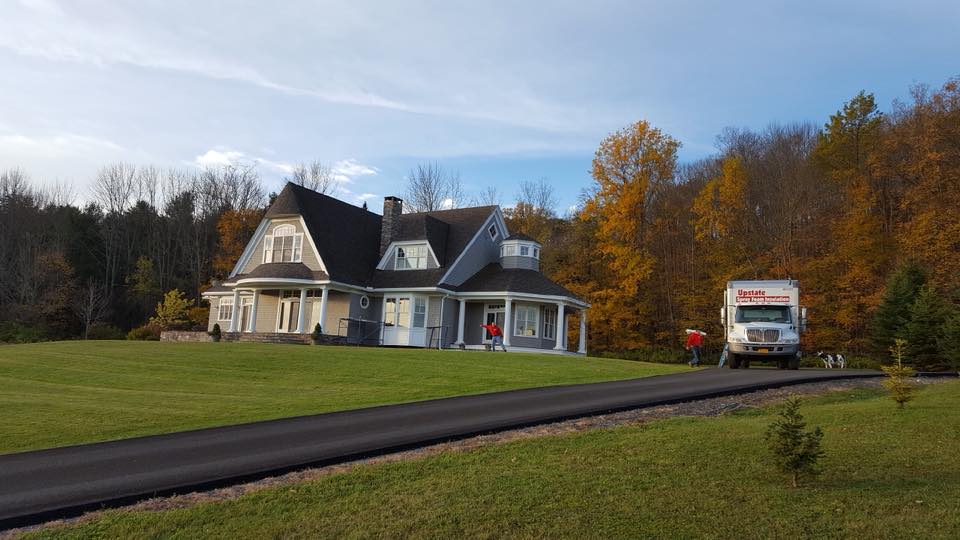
(734, 361)
(745, 364)
(794, 363)
(781, 363)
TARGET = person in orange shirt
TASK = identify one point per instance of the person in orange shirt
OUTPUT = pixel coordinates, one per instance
(694, 342)
(496, 336)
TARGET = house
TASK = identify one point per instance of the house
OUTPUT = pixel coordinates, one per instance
(425, 279)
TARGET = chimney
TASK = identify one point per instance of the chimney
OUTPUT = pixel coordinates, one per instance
(390, 226)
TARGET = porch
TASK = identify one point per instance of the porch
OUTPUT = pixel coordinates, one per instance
(529, 323)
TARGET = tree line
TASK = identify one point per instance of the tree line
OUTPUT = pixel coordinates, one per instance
(863, 211)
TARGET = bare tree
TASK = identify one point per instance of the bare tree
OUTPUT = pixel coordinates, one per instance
(115, 186)
(539, 196)
(92, 306)
(316, 176)
(235, 186)
(489, 196)
(430, 187)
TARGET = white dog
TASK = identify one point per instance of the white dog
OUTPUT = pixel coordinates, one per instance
(830, 360)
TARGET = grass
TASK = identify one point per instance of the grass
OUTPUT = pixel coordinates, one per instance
(887, 474)
(62, 393)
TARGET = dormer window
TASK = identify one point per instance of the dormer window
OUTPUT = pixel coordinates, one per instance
(411, 258)
(494, 233)
(284, 245)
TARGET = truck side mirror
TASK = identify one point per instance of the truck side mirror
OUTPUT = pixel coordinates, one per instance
(723, 317)
(803, 319)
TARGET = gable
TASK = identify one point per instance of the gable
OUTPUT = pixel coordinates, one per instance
(263, 237)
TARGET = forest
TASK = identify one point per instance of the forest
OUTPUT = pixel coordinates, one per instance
(862, 209)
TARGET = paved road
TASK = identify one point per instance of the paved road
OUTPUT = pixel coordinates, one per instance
(45, 484)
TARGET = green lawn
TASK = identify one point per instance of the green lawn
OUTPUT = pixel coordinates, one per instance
(54, 394)
(888, 474)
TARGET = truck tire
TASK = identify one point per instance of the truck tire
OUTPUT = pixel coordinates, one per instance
(734, 361)
(782, 363)
(745, 363)
(795, 362)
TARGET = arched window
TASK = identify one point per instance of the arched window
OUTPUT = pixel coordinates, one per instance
(284, 245)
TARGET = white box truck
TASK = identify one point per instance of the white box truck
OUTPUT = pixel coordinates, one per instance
(762, 321)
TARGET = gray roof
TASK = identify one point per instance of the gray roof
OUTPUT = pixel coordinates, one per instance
(495, 278)
(281, 270)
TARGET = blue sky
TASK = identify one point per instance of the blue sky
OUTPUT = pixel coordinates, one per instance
(500, 91)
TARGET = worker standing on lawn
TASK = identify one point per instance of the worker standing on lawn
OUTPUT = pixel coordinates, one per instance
(694, 342)
(496, 336)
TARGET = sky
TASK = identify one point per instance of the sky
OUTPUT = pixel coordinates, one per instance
(500, 91)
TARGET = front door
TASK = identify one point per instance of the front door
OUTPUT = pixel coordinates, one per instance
(493, 313)
(246, 307)
(288, 317)
(404, 320)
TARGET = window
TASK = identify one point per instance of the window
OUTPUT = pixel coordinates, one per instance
(364, 302)
(550, 324)
(526, 321)
(419, 312)
(403, 312)
(524, 251)
(390, 312)
(494, 233)
(411, 258)
(508, 250)
(536, 253)
(225, 309)
(284, 245)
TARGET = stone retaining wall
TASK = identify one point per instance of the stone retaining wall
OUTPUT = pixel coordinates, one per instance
(179, 335)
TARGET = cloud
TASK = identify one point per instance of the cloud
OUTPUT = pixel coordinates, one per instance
(344, 171)
(366, 196)
(47, 7)
(219, 157)
(56, 146)
(446, 204)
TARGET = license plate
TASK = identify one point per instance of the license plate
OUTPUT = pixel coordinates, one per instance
(763, 350)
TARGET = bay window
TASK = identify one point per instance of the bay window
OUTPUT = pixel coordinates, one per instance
(526, 321)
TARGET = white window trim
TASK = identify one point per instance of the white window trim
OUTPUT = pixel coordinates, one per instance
(496, 232)
(364, 302)
(224, 302)
(536, 320)
(391, 251)
(268, 240)
(547, 312)
(425, 256)
(250, 251)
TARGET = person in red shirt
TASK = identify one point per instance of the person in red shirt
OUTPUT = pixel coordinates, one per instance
(694, 342)
(496, 336)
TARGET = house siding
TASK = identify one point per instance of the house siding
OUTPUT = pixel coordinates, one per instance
(308, 257)
(527, 263)
(451, 315)
(267, 307)
(477, 255)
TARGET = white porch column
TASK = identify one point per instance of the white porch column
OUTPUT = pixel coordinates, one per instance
(235, 312)
(583, 332)
(507, 322)
(252, 327)
(303, 310)
(323, 311)
(561, 330)
(461, 320)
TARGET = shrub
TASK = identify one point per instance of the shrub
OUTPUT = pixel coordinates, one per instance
(147, 332)
(898, 380)
(15, 332)
(105, 331)
(198, 316)
(795, 451)
(317, 332)
(174, 312)
(215, 333)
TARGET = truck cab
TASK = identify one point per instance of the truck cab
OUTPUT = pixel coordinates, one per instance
(763, 321)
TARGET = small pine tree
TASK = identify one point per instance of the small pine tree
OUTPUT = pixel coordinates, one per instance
(898, 381)
(893, 312)
(174, 312)
(922, 330)
(795, 451)
(949, 340)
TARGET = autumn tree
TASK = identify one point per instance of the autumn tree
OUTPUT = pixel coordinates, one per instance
(174, 312)
(234, 230)
(631, 169)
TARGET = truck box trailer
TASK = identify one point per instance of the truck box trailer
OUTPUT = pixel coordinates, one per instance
(763, 321)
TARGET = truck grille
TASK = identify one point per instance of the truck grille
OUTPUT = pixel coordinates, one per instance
(763, 335)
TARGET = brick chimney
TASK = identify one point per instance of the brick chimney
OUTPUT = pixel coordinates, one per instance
(390, 226)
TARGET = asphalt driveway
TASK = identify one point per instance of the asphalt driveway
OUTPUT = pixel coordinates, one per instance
(45, 484)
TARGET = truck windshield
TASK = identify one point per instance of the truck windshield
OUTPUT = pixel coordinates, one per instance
(774, 314)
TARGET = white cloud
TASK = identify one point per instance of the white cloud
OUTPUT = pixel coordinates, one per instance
(219, 157)
(47, 7)
(366, 196)
(55, 146)
(346, 170)
(446, 204)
